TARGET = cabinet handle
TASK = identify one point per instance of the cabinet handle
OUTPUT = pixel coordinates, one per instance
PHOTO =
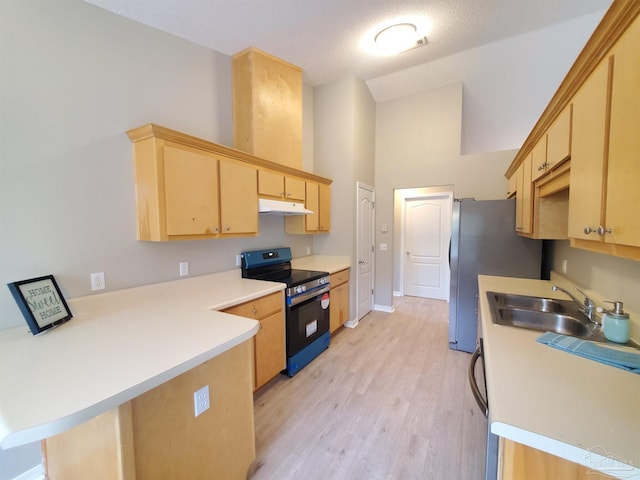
(226, 229)
(254, 310)
(602, 230)
(259, 325)
(588, 230)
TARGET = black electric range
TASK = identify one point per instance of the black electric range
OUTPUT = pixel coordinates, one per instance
(307, 297)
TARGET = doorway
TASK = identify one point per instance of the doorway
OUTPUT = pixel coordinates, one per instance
(425, 232)
(364, 251)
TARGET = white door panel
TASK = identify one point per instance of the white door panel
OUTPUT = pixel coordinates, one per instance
(426, 236)
(364, 277)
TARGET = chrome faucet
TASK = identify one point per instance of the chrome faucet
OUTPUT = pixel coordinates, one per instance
(586, 306)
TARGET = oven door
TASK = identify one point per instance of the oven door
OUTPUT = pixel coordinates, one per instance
(307, 318)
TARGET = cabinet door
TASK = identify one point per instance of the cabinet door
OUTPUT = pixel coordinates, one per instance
(191, 192)
(339, 307)
(539, 159)
(324, 205)
(524, 198)
(623, 174)
(312, 221)
(238, 198)
(270, 183)
(586, 195)
(559, 139)
(294, 189)
(511, 185)
(269, 345)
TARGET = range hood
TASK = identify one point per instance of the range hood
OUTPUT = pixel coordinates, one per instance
(278, 207)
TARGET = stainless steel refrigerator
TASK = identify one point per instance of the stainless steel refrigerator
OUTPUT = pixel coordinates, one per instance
(484, 242)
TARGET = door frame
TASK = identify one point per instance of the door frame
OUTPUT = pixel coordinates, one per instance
(363, 186)
(402, 195)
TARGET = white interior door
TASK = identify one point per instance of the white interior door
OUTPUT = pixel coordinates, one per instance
(365, 242)
(427, 229)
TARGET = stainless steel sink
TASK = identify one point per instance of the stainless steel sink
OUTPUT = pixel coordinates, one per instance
(543, 321)
(545, 315)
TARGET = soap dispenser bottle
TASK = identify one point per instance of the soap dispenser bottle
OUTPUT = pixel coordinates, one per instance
(615, 323)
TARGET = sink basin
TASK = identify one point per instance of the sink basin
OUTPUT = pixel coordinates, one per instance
(543, 321)
(538, 304)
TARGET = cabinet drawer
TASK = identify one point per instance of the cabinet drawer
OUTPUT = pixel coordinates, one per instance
(339, 277)
(259, 308)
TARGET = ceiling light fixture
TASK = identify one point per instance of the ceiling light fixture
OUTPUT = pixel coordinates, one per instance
(398, 38)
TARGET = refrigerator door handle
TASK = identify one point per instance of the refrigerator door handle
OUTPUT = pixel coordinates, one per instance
(473, 383)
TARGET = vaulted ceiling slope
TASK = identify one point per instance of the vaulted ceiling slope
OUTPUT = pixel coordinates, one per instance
(324, 37)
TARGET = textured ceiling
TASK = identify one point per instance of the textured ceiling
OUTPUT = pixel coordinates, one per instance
(324, 37)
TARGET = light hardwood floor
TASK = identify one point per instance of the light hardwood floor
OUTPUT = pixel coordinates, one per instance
(387, 401)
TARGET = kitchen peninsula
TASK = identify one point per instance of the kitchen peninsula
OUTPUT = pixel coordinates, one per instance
(120, 377)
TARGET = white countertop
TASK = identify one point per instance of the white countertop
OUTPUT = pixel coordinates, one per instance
(117, 346)
(322, 263)
(563, 404)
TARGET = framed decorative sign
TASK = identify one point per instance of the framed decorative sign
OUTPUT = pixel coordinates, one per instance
(41, 303)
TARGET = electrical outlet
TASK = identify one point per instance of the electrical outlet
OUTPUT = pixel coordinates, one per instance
(184, 268)
(564, 265)
(383, 247)
(201, 400)
(238, 260)
(97, 281)
(308, 250)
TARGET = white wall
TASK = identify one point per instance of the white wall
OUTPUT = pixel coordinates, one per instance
(507, 84)
(418, 145)
(344, 141)
(74, 79)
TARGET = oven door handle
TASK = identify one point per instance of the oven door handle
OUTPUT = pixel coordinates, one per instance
(473, 383)
(306, 296)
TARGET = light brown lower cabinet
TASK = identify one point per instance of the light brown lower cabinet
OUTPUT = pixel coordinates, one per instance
(520, 462)
(339, 299)
(268, 343)
(156, 436)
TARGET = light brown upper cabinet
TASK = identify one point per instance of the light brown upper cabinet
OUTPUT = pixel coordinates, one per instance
(589, 186)
(524, 197)
(275, 184)
(604, 183)
(559, 140)
(195, 213)
(539, 159)
(318, 200)
(189, 188)
(238, 198)
(590, 129)
(187, 192)
(267, 107)
(623, 170)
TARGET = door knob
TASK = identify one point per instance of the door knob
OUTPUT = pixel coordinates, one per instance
(361, 262)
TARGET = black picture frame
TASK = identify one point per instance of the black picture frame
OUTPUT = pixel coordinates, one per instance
(41, 303)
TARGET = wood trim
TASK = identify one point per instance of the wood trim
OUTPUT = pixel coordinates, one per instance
(614, 23)
(152, 130)
(625, 251)
(265, 54)
(555, 181)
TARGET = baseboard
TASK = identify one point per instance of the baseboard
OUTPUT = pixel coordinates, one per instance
(384, 308)
(35, 473)
(397, 293)
(351, 323)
